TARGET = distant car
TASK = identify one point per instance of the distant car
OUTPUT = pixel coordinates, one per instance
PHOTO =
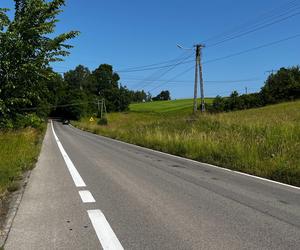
(66, 122)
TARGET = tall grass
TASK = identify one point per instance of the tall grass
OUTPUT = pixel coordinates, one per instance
(263, 142)
(19, 151)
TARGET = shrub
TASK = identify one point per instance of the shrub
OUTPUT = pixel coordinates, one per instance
(102, 121)
(28, 120)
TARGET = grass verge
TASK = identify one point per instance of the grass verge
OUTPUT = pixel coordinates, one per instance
(19, 151)
(264, 142)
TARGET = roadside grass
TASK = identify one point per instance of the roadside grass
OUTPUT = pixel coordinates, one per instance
(19, 150)
(264, 142)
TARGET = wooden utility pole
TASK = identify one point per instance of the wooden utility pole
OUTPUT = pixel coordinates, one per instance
(196, 79)
(201, 78)
(198, 64)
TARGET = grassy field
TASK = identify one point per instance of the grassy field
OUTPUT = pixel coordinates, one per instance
(19, 151)
(166, 106)
(263, 142)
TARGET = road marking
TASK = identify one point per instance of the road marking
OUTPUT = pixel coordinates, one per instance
(86, 196)
(72, 169)
(104, 232)
(193, 161)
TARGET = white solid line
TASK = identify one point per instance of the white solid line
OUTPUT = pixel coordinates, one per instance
(193, 161)
(105, 234)
(73, 171)
(86, 196)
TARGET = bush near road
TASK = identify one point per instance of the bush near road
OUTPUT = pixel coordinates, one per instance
(264, 141)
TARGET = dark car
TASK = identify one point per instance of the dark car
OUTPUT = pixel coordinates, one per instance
(66, 122)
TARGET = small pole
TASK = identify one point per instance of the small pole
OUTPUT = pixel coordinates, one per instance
(104, 106)
(101, 109)
(98, 104)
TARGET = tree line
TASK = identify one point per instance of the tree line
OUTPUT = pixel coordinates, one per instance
(79, 90)
(284, 85)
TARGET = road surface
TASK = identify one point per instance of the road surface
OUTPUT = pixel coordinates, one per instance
(91, 192)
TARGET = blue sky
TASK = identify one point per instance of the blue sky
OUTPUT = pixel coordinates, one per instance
(135, 33)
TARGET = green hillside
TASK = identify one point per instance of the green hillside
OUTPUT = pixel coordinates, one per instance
(165, 106)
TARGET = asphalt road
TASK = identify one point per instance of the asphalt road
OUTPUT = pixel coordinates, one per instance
(135, 198)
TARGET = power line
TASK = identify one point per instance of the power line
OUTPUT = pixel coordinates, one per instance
(56, 106)
(266, 17)
(253, 30)
(178, 75)
(187, 81)
(241, 52)
(152, 68)
(151, 65)
(252, 49)
(161, 74)
(242, 26)
(231, 55)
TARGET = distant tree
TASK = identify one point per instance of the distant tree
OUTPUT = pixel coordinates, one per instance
(148, 97)
(138, 96)
(279, 87)
(219, 104)
(105, 78)
(162, 96)
(282, 86)
(78, 78)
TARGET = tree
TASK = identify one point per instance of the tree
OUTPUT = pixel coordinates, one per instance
(219, 104)
(105, 84)
(105, 78)
(138, 96)
(162, 96)
(78, 78)
(282, 86)
(25, 53)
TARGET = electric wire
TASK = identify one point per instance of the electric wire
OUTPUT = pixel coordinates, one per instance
(268, 20)
(57, 106)
(251, 31)
(232, 55)
(152, 68)
(151, 65)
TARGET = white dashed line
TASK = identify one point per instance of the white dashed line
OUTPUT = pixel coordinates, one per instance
(105, 234)
(73, 171)
(86, 196)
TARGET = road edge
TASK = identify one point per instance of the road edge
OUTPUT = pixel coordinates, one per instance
(14, 201)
